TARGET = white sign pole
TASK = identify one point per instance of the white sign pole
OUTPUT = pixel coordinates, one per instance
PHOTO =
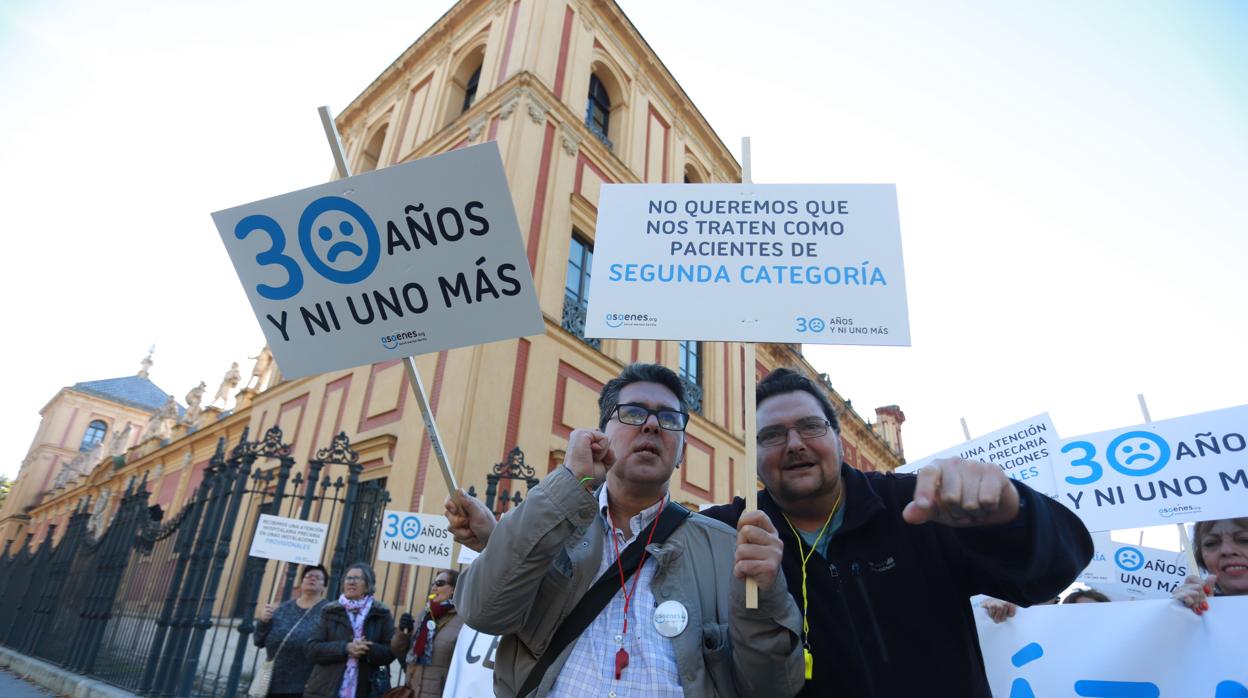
(966, 431)
(747, 472)
(1183, 542)
(418, 386)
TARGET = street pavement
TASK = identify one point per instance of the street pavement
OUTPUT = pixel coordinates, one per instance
(13, 686)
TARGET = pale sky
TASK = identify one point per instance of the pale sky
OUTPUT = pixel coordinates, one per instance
(1071, 179)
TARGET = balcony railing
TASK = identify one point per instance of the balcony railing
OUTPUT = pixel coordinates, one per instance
(597, 131)
(574, 321)
(693, 393)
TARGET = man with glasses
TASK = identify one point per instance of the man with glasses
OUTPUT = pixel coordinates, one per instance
(600, 584)
(882, 565)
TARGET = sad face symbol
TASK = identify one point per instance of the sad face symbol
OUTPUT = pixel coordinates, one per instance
(1138, 453)
(1129, 559)
(339, 240)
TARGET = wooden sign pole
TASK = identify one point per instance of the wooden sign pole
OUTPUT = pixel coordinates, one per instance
(747, 471)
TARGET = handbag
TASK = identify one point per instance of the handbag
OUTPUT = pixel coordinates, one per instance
(264, 676)
(381, 681)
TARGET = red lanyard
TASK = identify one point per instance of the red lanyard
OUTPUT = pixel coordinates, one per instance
(621, 657)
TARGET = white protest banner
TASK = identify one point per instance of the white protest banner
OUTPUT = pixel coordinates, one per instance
(466, 555)
(415, 539)
(472, 666)
(813, 263)
(1021, 450)
(1122, 571)
(405, 260)
(1118, 650)
(1191, 468)
(288, 540)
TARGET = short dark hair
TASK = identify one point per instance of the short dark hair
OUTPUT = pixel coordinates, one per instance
(1074, 596)
(370, 577)
(310, 568)
(452, 576)
(786, 380)
(638, 373)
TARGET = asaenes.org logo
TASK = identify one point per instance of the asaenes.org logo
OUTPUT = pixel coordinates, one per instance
(633, 319)
(390, 342)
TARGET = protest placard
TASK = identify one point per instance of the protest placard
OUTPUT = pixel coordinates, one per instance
(410, 259)
(288, 540)
(1123, 572)
(1192, 468)
(1021, 450)
(415, 539)
(812, 263)
(1145, 648)
(471, 674)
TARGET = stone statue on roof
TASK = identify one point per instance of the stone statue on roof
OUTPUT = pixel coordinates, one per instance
(193, 400)
(228, 383)
(161, 424)
(118, 445)
(262, 372)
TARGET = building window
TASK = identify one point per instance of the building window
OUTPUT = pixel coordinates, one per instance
(372, 152)
(470, 89)
(691, 372)
(598, 110)
(96, 432)
(576, 289)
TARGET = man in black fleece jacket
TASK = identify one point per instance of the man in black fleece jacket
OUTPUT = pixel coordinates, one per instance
(891, 560)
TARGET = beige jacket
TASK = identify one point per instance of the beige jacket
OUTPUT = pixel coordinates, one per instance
(543, 557)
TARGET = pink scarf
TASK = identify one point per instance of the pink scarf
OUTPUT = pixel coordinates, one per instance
(357, 611)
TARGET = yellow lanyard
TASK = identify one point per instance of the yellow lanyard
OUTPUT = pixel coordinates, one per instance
(805, 557)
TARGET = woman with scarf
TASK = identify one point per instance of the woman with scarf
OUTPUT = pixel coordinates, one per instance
(427, 659)
(351, 642)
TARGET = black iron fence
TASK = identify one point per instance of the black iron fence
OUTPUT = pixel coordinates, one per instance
(164, 606)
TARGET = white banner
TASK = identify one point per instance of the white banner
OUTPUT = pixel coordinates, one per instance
(1118, 650)
(1021, 450)
(1122, 571)
(810, 263)
(1179, 470)
(472, 666)
(405, 260)
(288, 540)
(415, 539)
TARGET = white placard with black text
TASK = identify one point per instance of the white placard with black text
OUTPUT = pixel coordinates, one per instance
(415, 539)
(288, 540)
(410, 259)
(1178, 470)
(810, 263)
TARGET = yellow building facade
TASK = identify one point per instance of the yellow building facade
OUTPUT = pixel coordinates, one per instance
(575, 99)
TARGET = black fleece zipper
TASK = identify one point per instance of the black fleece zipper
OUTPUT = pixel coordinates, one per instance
(856, 572)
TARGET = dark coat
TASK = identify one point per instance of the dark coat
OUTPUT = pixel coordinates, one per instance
(327, 650)
(889, 612)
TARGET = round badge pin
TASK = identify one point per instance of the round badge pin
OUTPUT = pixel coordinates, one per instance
(431, 625)
(670, 618)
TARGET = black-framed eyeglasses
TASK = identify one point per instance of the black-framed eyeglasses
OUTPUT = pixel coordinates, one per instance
(811, 428)
(636, 415)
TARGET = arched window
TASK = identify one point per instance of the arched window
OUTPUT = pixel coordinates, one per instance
(691, 175)
(463, 84)
(470, 89)
(372, 152)
(598, 110)
(96, 431)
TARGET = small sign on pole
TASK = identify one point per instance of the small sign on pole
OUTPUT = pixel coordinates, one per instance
(1022, 450)
(288, 540)
(415, 539)
(803, 263)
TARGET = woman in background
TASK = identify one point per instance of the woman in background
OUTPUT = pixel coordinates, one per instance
(351, 643)
(284, 630)
(427, 659)
(1222, 554)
